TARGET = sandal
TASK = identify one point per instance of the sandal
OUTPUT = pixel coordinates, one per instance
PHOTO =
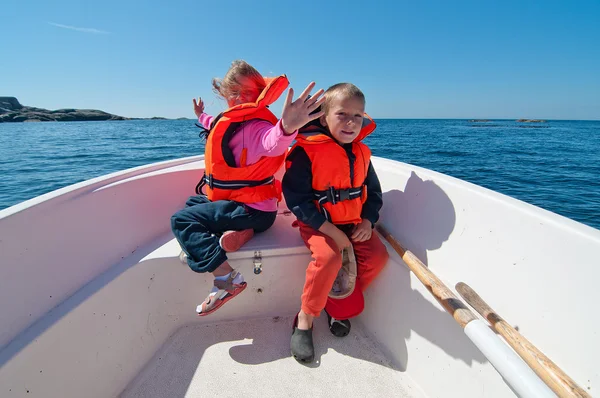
(227, 291)
(337, 327)
(301, 345)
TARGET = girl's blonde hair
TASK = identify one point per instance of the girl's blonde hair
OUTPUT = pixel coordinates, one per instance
(230, 87)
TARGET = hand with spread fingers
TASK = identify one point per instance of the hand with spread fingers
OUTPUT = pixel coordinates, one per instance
(198, 106)
(362, 232)
(297, 113)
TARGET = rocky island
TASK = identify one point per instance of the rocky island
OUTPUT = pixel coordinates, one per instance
(11, 110)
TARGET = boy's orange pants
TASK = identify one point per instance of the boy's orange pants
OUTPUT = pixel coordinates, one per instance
(371, 257)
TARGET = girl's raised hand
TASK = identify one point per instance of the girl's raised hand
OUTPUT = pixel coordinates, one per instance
(198, 106)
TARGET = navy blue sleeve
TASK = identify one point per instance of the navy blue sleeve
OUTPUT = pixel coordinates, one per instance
(297, 189)
(371, 207)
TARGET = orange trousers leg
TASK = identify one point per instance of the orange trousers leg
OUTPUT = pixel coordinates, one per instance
(371, 257)
(321, 272)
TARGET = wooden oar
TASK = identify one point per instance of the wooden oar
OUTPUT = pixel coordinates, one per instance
(547, 370)
(510, 366)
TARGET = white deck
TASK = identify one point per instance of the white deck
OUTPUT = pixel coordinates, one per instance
(252, 359)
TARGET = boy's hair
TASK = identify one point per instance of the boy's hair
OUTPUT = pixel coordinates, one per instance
(230, 86)
(345, 90)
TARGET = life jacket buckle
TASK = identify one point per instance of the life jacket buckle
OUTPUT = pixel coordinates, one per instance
(344, 194)
(337, 195)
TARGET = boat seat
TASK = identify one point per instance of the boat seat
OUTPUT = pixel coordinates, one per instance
(281, 239)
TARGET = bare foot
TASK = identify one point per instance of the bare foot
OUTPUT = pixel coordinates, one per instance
(305, 321)
(223, 269)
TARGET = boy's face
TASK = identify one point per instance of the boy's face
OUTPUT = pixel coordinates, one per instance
(344, 118)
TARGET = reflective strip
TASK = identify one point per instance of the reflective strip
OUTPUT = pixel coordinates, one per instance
(212, 183)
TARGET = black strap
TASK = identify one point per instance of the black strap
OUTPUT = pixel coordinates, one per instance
(203, 132)
(230, 184)
(334, 196)
(199, 186)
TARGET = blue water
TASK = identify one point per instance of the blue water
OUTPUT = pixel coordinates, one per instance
(554, 165)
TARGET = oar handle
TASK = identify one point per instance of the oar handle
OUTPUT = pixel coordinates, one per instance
(547, 370)
(461, 313)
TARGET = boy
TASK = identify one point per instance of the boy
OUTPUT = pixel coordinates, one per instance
(332, 188)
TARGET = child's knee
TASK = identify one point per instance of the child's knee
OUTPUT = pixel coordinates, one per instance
(196, 200)
(174, 221)
(177, 219)
(330, 258)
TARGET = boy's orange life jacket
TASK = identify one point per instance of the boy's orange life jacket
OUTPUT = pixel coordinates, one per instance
(339, 191)
(246, 183)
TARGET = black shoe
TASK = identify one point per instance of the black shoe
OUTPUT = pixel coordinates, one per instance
(302, 344)
(337, 327)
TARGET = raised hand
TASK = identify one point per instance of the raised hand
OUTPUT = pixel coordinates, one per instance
(297, 113)
(198, 106)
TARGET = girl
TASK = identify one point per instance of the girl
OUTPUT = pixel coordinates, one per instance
(245, 147)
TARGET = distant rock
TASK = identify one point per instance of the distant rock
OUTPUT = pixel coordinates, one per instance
(8, 104)
(479, 120)
(531, 121)
(11, 110)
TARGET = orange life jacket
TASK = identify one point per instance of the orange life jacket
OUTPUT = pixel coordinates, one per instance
(339, 191)
(246, 183)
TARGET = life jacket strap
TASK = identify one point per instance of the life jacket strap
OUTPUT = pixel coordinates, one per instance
(334, 196)
(230, 184)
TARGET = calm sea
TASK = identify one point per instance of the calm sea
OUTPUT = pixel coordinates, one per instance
(553, 165)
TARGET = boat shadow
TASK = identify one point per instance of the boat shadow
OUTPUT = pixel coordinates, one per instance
(421, 217)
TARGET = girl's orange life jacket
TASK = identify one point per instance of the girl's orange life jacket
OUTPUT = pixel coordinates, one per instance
(246, 183)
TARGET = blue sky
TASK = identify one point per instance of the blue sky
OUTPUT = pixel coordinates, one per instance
(413, 59)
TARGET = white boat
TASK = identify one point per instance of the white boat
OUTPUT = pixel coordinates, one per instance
(94, 301)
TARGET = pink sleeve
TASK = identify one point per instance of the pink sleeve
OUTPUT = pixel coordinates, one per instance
(267, 140)
(205, 120)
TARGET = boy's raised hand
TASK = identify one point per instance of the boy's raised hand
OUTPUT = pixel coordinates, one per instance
(297, 113)
(198, 106)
